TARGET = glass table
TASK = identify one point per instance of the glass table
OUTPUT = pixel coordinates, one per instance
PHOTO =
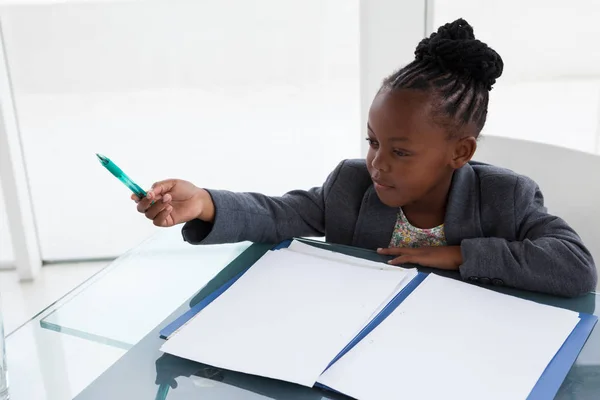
(67, 346)
(101, 340)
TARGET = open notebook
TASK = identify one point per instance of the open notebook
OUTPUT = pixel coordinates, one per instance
(371, 331)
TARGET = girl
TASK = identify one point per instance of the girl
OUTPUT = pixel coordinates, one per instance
(417, 196)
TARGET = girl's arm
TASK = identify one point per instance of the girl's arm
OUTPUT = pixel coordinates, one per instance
(548, 256)
(258, 218)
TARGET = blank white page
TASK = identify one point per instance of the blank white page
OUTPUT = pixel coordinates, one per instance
(304, 248)
(286, 318)
(452, 340)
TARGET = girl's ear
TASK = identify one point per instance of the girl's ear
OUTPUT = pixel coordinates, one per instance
(464, 148)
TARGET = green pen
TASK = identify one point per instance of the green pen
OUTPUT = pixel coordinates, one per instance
(162, 392)
(120, 175)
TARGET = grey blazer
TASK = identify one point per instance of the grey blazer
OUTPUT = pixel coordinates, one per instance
(496, 216)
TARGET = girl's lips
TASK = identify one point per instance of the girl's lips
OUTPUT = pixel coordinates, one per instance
(381, 186)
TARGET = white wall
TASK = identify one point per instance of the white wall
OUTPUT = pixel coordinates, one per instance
(538, 39)
(550, 89)
(260, 95)
(389, 32)
(6, 251)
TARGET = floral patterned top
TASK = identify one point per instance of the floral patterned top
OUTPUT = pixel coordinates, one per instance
(406, 235)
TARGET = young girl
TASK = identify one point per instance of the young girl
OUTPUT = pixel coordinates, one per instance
(417, 196)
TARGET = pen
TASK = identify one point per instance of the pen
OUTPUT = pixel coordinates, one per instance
(120, 175)
(162, 392)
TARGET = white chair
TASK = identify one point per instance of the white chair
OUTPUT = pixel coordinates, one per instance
(568, 179)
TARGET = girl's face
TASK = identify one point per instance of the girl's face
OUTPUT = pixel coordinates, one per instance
(411, 157)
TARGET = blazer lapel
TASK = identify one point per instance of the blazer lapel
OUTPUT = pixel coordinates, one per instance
(375, 222)
(462, 212)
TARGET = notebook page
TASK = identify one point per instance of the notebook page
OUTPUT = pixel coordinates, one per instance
(449, 339)
(304, 248)
(286, 318)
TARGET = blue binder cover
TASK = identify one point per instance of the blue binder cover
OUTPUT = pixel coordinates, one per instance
(546, 387)
(554, 374)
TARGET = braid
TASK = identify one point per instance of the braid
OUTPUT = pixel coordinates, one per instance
(459, 69)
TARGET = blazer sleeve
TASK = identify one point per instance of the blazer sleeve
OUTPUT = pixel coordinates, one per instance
(263, 219)
(548, 256)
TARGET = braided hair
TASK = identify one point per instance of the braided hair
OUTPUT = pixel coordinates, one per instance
(458, 70)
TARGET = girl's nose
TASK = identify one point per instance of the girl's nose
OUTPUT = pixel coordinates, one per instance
(380, 163)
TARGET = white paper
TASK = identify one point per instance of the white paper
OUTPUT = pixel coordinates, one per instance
(304, 248)
(287, 317)
(450, 340)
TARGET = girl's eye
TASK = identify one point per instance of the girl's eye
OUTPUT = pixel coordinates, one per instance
(372, 143)
(400, 153)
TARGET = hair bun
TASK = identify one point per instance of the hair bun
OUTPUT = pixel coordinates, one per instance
(454, 48)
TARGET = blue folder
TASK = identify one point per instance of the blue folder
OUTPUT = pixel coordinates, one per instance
(546, 387)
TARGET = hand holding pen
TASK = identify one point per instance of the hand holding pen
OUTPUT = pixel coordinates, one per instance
(169, 202)
(175, 201)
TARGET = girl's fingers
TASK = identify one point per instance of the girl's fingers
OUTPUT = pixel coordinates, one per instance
(160, 188)
(405, 259)
(135, 198)
(391, 251)
(155, 209)
(167, 198)
(145, 204)
(162, 219)
(398, 251)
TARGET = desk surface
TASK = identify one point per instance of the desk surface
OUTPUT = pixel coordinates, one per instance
(101, 340)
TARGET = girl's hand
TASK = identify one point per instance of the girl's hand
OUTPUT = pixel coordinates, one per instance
(175, 201)
(442, 257)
